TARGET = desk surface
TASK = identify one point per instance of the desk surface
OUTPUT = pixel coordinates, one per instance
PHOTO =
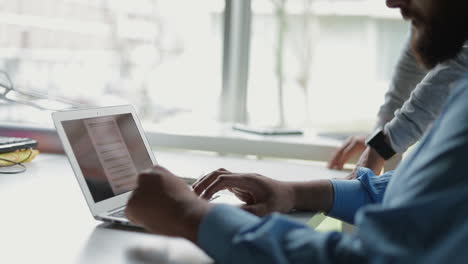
(45, 218)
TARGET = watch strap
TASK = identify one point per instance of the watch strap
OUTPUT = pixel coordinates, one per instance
(378, 142)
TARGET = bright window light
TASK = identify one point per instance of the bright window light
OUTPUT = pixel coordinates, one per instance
(163, 56)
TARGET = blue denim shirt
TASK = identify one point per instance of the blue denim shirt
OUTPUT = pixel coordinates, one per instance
(417, 214)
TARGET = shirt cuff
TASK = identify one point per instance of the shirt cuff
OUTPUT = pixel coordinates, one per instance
(349, 196)
(218, 228)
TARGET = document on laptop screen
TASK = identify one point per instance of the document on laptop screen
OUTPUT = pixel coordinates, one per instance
(112, 153)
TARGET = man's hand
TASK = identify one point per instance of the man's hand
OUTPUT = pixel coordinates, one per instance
(262, 195)
(369, 159)
(354, 145)
(163, 204)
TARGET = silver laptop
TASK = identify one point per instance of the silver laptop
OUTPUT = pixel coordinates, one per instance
(106, 148)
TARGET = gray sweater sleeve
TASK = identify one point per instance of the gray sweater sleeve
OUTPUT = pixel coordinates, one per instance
(407, 75)
(425, 102)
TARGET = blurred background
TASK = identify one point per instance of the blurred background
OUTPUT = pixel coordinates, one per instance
(322, 64)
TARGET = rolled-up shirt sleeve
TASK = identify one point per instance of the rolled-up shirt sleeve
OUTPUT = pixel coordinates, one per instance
(350, 195)
(230, 235)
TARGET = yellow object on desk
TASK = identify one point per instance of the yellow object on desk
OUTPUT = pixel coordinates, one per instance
(19, 156)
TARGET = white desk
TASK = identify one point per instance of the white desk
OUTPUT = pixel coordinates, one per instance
(45, 218)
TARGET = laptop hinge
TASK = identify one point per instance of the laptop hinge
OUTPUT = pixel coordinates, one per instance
(115, 210)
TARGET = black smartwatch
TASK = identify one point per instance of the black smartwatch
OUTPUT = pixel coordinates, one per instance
(378, 142)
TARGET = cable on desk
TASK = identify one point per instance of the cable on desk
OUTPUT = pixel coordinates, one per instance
(14, 163)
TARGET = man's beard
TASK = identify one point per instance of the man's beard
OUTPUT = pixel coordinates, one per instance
(441, 40)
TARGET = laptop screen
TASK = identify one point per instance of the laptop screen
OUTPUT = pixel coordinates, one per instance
(110, 152)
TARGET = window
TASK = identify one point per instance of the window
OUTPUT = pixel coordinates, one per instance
(329, 61)
(163, 56)
(303, 63)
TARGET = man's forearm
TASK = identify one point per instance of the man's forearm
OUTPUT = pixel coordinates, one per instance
(313, 195)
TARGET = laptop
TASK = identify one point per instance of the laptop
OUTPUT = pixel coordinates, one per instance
(106, 148)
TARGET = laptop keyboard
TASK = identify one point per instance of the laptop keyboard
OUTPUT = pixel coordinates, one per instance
(189, 181)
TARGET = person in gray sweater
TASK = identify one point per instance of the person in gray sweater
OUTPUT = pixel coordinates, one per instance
(413, 101)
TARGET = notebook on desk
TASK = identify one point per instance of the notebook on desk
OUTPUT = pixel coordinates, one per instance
(107, 148)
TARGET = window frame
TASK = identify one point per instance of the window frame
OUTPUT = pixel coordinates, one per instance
(236, 53)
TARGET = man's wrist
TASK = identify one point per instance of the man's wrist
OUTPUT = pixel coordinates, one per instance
(193, 214)
(372, 160)
(218, 228)
(313, 195)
